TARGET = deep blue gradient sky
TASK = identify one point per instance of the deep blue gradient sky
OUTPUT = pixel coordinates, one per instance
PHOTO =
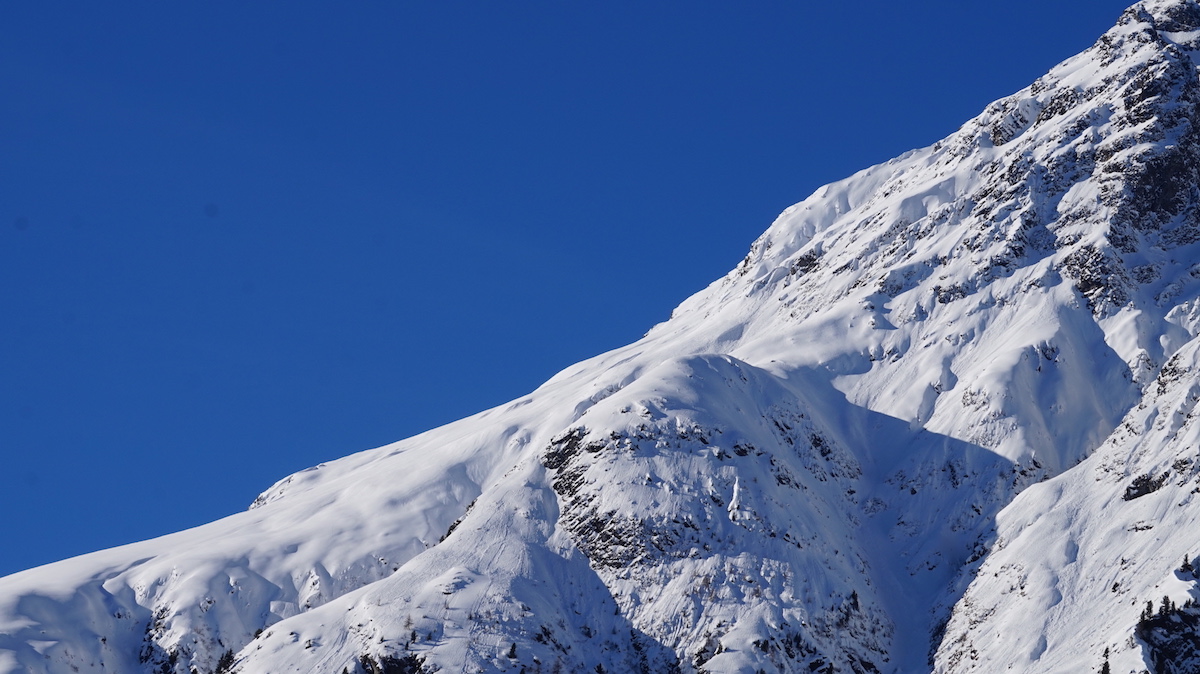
(239, 239)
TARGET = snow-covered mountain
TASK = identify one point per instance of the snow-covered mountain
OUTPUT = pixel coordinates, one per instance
(939, 419)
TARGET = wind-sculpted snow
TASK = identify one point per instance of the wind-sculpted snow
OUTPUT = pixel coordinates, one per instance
(1079, 557)
(811, 467)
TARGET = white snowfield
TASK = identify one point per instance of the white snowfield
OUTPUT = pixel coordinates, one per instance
(939, 419)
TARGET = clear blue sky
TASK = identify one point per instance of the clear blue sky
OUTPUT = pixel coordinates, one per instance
(239, 239)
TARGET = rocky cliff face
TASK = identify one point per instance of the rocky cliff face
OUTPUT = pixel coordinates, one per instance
(939, 419)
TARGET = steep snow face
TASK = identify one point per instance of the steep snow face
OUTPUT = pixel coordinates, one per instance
(958, 271)
(1080, 556)
(791, 474)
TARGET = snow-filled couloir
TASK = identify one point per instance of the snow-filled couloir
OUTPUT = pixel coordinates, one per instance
(910, 432)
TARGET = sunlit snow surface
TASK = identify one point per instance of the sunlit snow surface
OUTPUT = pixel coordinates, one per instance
(813, 464)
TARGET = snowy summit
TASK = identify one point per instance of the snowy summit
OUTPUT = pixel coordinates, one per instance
(939, 419)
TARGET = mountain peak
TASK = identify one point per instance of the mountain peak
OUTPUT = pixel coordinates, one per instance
(1172, 16)
(825, 461)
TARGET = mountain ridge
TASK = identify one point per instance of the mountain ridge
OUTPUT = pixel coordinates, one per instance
(812, 466)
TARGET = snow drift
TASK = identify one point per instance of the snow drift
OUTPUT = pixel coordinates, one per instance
(939, 419)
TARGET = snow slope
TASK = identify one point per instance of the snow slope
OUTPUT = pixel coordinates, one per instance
(896, 438)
